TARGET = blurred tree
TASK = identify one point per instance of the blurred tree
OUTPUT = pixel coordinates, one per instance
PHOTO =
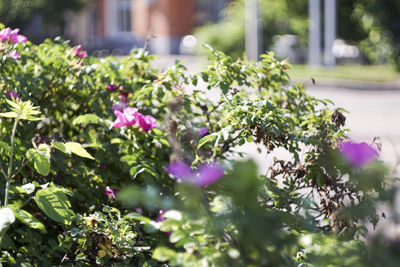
(16, 13)
(381, 20)
(277, 17)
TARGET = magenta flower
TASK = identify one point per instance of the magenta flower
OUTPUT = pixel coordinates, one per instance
(203, 131)
(207, 174)
(14, 54)
(125, 118)
(12, 95)
(358, 154)
(79, 52)
(110, 192)
(7, 34)
(146, 122)
(112, 87)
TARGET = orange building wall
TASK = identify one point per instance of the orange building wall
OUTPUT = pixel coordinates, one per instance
(172, 18)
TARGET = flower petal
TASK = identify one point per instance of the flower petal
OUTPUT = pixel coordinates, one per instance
(208, 174)
(180, 170)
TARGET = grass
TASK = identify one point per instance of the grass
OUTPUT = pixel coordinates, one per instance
(374, 73)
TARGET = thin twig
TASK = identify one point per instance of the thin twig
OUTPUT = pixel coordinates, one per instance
(19, 170)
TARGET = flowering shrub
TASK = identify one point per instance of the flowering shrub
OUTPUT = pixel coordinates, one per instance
(92, 181)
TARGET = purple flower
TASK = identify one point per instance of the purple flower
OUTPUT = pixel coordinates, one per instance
(358, 154)
(139, 210)
(112, 87)
(207, 174)
(110, 192)
(12, 95)
(146, 122)
(79, 52)
(118, 106)
(203, 131)
(14, 54)
(160, 217)
(179, 169)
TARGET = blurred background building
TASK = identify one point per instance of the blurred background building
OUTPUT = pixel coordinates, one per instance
(118, 25)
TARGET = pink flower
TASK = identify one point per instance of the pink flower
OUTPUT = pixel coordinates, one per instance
(146, 122)
(79, 52)
(206, 175)
(16, 38)
(118, 106)
(358, 154)
(125, 118)
(12, 35)
(110, 192)
(14, 54)
(5, 34)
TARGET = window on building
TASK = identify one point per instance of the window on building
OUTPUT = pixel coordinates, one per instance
(123, 16)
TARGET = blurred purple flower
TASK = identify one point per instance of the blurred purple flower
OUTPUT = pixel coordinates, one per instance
(102, 165)
(160, 217)
(118, 106)
(206, 175)
(358, 154)
(79, 52)
(12, 94)
(110, 192)
(139, 210)
(179, 169)
(14, 54)
(203, 131)
(112, 87)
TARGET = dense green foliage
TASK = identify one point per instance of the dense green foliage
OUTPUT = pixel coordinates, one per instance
(310, 208)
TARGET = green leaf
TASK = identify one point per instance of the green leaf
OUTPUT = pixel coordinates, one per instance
(5, 146)
(206, 139)
(163, 254)
(40, 159)
(55, 204)
(9, 114)
(6, 219)
(86, 119)
(26, 218)
(60, 146)
(137, 217)
(77, 149)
